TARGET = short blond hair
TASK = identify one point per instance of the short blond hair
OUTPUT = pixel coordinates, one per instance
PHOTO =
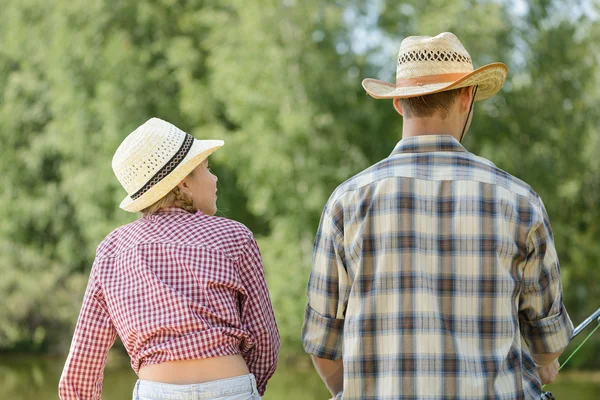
(175, 198)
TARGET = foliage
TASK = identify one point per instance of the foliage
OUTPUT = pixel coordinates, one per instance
(279, 81)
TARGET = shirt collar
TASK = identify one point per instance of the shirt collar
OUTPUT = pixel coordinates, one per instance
(428, 143)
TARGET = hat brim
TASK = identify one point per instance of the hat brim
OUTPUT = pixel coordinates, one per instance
(489, 78)
(199, 151)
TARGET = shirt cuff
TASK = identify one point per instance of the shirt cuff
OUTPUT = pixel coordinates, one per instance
(322, 336)
(548, 335)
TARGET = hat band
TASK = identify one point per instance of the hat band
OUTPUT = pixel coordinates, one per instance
(430, 79)
(168, 167)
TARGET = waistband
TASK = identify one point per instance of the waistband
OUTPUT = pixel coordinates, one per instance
(222, 387)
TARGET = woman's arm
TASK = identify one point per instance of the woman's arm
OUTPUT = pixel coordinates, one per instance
(94, 335)
(257, 316)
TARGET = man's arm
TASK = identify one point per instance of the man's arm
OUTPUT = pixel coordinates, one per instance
(545, 324)
(328, 288)
(547, 366)
(549, 372)
(543, 360)
(331, 372)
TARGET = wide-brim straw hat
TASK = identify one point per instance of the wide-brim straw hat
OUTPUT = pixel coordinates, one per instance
(428, 65)
(154, 158)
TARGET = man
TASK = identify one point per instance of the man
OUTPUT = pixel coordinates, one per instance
(435, 273)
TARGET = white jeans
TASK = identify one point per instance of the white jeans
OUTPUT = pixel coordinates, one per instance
(238, 388)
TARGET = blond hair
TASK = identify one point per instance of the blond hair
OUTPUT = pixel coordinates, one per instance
(175, 198)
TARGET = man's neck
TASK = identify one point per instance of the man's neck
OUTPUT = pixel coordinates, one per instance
(429, 126)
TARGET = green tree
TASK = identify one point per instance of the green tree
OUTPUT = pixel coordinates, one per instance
(279, 81)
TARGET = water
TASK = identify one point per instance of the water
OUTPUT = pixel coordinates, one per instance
(35, 377)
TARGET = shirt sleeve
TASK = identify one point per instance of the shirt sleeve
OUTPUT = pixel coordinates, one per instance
(545, 324)
(94, 335)
(258, 317)
(327, 291)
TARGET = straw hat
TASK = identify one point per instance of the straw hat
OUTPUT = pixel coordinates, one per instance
(154, 158)
(429, 65)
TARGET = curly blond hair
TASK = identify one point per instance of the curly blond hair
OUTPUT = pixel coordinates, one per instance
(175, 198)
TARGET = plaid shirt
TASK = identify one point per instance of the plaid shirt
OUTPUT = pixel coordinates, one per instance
(173, 286)
(432, 272)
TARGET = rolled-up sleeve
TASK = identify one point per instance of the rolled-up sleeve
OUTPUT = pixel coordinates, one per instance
(327, 292)
(545, 324)
(258, 317)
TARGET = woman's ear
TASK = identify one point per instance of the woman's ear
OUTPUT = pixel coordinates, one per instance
(183, 185)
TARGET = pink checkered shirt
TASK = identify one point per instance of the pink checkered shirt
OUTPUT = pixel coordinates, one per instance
(173, 286)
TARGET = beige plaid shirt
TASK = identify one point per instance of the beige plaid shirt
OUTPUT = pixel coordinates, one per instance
(433, 272)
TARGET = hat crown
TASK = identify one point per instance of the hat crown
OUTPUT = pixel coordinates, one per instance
(426, 55)
(145, 151)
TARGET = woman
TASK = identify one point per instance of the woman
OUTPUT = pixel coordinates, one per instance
(184, 290)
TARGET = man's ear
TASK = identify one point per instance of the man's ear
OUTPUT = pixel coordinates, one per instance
(397, 106)
(465, 96)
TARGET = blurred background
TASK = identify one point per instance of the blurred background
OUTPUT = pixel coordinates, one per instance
(279, 81)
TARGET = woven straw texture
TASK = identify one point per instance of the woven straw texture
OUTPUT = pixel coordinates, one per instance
(436, 58)
(144, 155)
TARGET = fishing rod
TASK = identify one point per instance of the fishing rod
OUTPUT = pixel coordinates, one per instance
(584, 324)
(594, 317)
